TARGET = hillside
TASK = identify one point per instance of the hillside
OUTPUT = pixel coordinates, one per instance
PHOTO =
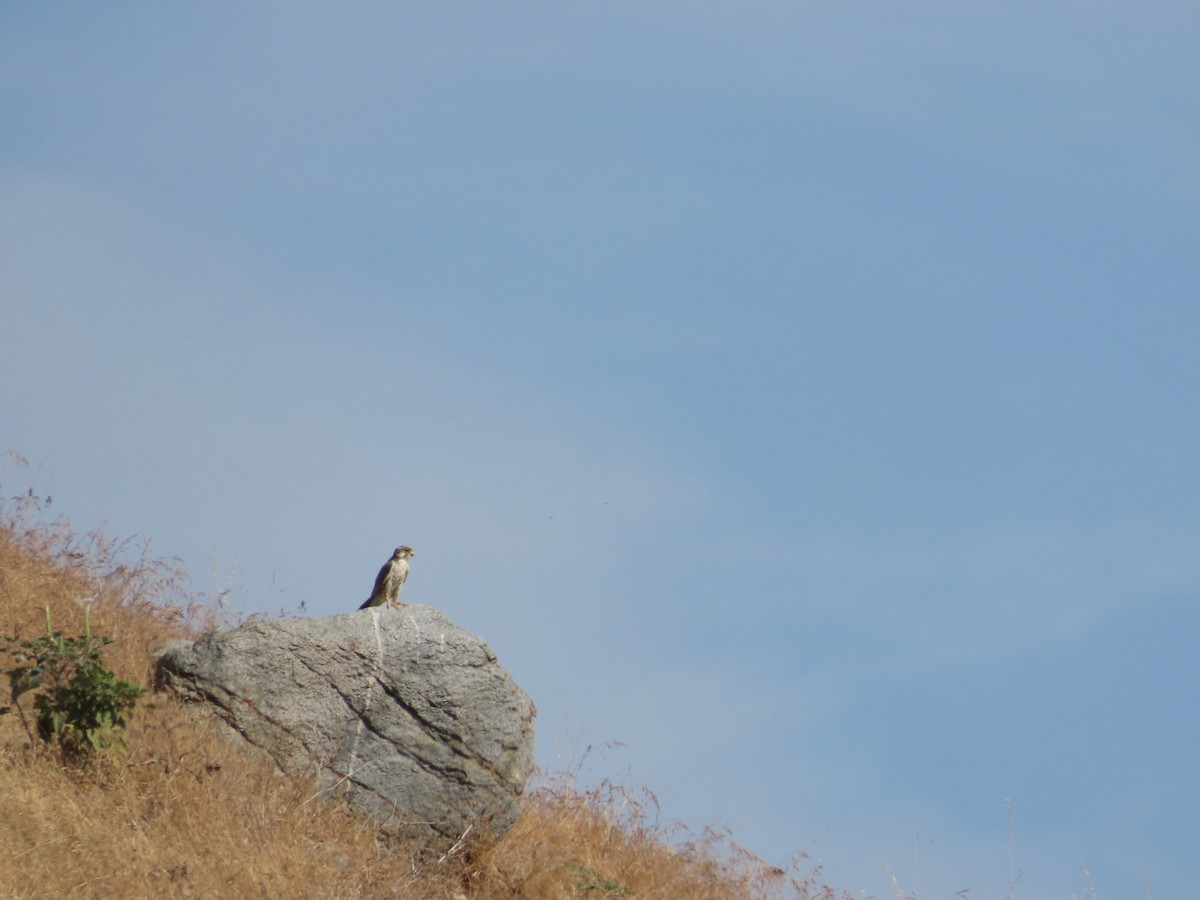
(180, 812)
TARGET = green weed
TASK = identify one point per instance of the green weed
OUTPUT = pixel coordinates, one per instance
(79, 704)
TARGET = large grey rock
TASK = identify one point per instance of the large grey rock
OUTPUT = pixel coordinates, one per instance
(407, 716)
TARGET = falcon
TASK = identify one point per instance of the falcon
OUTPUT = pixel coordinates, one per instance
(390, 580)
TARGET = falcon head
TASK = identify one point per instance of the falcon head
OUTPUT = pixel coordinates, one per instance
(402, 553)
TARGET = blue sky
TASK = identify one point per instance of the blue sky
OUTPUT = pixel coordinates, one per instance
(799, 395)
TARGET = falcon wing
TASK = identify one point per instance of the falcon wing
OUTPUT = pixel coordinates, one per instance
(381, 579)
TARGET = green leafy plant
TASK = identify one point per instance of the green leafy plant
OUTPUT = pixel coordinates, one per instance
(589, 880)
(79, 704)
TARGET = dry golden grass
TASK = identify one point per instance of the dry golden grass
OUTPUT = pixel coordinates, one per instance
(182, 811)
